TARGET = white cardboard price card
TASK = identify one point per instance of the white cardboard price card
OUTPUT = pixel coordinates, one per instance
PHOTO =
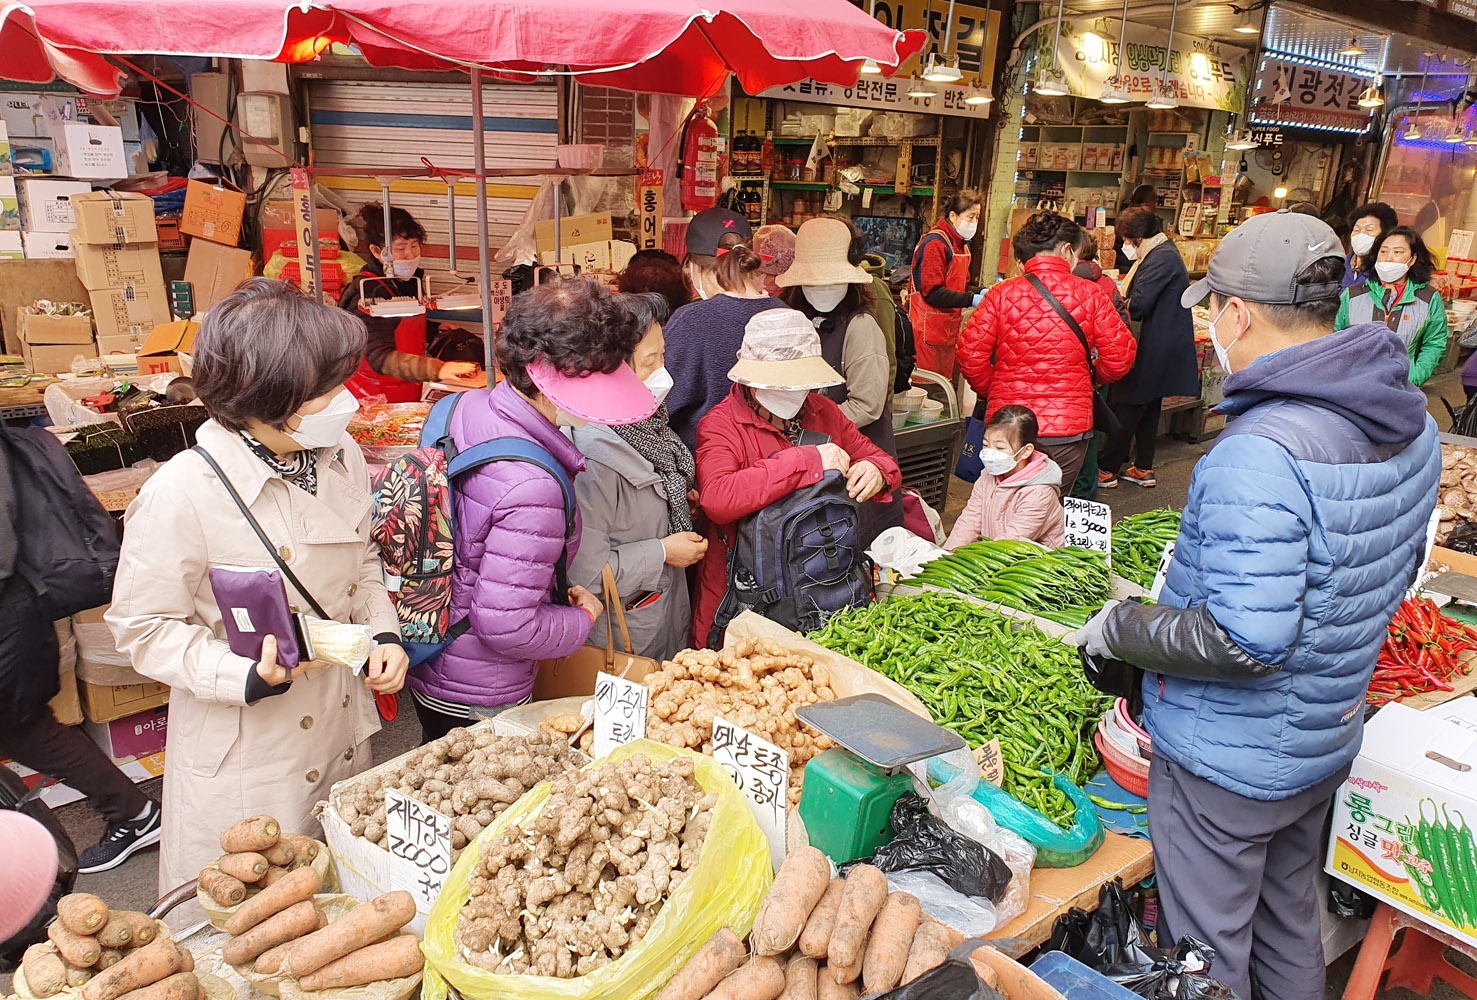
(1089, 525)
(620, 712)
(1162, 572)
(420, 847)
(762, 772)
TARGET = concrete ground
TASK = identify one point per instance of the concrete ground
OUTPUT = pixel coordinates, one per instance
(134, 884)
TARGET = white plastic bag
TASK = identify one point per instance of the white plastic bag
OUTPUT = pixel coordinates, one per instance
(901, 550)
(972, 916)
(954, 803)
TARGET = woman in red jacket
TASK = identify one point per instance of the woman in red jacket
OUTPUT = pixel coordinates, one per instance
(747, 451)
(1018, 350)
(940, 290)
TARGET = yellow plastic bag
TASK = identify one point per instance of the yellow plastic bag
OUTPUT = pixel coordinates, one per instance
(725, 887)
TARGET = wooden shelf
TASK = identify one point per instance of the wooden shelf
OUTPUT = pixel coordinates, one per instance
(921, 192)
(924, 140)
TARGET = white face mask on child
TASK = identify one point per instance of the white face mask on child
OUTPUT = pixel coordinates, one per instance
(997, 463)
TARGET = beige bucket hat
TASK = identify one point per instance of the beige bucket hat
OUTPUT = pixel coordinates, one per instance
(821, 257)
(781, 350)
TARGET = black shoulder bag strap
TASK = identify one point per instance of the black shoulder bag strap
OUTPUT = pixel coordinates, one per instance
(1103, 416)
(266, 542)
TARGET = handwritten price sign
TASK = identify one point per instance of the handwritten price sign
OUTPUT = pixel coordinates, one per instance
(1089, 525)
(762, 772)
(620, 712)
(1163, 572)
(420, 847)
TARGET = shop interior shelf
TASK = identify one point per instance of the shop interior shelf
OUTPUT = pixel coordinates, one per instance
(801, 185)
(920, 192)
(841, 140)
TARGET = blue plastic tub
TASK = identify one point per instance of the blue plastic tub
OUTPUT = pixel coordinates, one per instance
(1076, 981)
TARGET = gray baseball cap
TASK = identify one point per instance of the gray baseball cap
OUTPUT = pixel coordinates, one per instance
(1260, 261)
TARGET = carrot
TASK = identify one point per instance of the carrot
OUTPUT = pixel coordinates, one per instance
(828, 985)
(291, 888)
(248, 866)
(226, 890)
(800, 979)
(359, 928)
(760, 978)
(393, 959)
(81, 951)
(281, 854)
(141, 967)
(271, 961)
(931, 945)
(116, 933)
(144, 927)
(82, 912)
(76, 977)
(110, 958)
(44, 972)
(817, 934)
(305, 846)
(797, 888)
(719, 955)
(254, 834)
(297, 920)
(846, 973)
(866, 890)
(180, 986)
(274, 873)
(888, 944)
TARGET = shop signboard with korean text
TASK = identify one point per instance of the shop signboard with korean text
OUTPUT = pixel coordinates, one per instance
(1198, 72)
(884, 95)
(1290, 93)
(649, 204)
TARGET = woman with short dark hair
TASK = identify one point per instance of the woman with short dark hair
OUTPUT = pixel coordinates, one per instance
(250, 737)
(940, 290)
(1367, 224)
(1397, 292)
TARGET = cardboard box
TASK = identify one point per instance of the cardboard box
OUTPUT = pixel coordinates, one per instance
(36, 329)
(593, 228)
(213, 212)
(610, 255)
(11, 247)
(1411, 765)
(131, 311)
(10, 206)
(48, 246)
(54, 359)
(161, 349)
(133, 736)
(90, 151)
(67, 705)
(215, 271)
(100, 267)
(23, 113)
(92, 616)
(279, 226)
(1443, 558)
(125, 344)
(111, 217)
(46, 203)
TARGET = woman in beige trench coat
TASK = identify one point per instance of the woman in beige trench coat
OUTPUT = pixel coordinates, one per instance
(247, 737)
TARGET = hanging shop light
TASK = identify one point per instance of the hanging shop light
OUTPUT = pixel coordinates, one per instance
(1050, 83)
(1241, 140)
(1113, 91)
(1371, 97)
(1456, 136)
(1164, 99)
(921, 89)
(870, 68)
(1352, 49)
(1113, 94)
(936, 70)
(982, 94)
(1246, 26)
(1413, 130)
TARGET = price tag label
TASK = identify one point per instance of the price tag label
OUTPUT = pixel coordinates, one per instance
(1162, 572)
(762, 772)
(1089, 525)
(992, 767)
(1423, 571)
(420, 847)
(620, 712)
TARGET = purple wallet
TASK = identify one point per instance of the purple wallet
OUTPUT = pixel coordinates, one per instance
(253, 603)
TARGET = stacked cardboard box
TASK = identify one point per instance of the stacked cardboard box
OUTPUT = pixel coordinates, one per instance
(46, 215)
(117, 251)
(216, 265)
(10, 220)
(50, 343)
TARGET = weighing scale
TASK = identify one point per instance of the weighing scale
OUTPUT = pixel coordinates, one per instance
(849, 791)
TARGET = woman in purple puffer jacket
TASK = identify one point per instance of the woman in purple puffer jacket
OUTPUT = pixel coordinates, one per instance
(562, 350)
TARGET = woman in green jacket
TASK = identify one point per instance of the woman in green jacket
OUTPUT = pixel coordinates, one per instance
(1398, 294)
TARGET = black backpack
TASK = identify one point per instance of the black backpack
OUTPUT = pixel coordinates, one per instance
(907, 353)
(66, 544)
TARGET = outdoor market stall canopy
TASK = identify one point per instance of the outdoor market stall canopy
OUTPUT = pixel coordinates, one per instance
(662, 46)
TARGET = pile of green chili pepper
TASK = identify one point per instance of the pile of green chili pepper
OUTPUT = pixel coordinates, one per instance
(1139, 542)
(1065, 585)
(1449, 889)
(985, 677)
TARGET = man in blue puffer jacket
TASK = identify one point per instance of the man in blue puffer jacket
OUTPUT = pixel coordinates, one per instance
(1302, 530)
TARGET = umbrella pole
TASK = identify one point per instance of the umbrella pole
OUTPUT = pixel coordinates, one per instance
(484, 257)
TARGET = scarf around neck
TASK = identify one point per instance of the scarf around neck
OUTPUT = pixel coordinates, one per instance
(655, 441)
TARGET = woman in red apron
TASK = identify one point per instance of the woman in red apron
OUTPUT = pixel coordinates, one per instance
(395, 362)
(940, 288)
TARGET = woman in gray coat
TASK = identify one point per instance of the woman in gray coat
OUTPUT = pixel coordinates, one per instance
(636, 498)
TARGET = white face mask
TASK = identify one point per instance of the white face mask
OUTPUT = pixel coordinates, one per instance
(697, 282)
(783, 403)
(1391, 270)
(563, 418)
(659, 383)
(1130, 252)
(825, 298)
(403, 268)
(997, 463)
(1361, 243)
(325, 428)
(1222, 354)
(966, 230)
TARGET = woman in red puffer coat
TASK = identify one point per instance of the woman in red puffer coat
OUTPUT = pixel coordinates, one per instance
(1018, 351)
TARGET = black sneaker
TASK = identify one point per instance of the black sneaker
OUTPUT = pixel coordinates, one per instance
(120, 842)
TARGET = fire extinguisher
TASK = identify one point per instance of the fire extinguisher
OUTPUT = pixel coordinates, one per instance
(698, 169)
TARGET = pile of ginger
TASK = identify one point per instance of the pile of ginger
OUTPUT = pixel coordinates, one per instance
(575, 887)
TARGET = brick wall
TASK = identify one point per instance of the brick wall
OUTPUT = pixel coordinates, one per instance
(608, 117)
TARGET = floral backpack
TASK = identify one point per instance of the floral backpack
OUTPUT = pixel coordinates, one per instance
(413, 523)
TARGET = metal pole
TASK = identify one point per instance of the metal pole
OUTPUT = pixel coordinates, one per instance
(484, 255)
(451, 218)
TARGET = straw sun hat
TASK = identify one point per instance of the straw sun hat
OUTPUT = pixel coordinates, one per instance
(822, 249)
(781, 350)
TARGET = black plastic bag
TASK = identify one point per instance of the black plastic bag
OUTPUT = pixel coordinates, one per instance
(926, 843)
(15, 796)
(954, 980)
(1463, 537)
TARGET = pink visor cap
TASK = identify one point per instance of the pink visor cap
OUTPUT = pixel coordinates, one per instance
(617, 397)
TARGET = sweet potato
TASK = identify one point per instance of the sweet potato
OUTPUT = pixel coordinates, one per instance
(81, 951)
(393, 959)
(359, 928)
(110, 958)
(760, 978)
(249, 866)
(828, 985)
(889, 942)
(225, 889)
(273, 875)
(797, 888)
(81, 912)
(296, 921)
(254, 834)
(282, 854)
(866, 890)
(45, 974)
(719, 955)
(931, 945)
(180, 986)
(145, 928)
(293, 887)
(141, 967)
(305, 846)
(116, 933)
(800, 979)
(816, 937)
(77, 977)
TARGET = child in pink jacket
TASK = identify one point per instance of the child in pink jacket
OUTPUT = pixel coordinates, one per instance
(1016, 496)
